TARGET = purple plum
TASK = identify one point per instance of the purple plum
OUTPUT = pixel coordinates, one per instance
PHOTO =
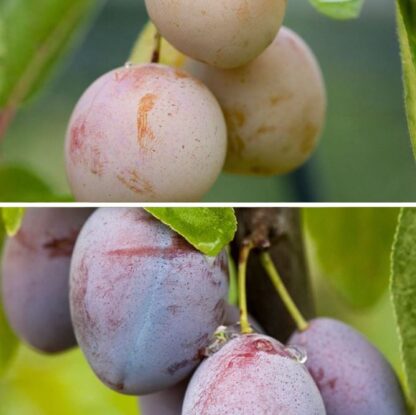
(352, 375)
(144, 302)
(35, 284)
(252, 374)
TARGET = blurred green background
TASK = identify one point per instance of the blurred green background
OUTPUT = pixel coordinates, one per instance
(349, 257)
(365, 154)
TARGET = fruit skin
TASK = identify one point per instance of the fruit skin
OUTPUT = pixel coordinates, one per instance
(170, 401)
(145, 133)
(166, 402)
(143, 301)
(352, 375)
(224, 34)
(252, 374)
(274, 107)
(35, 271)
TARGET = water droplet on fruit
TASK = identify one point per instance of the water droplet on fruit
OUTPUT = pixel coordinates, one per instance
(221, 337)
(128, 65)
(298, 353)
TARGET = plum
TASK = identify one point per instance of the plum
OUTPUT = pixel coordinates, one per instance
(274, 106)
(145, 133)
(352, 375)
(225, 34)
(35, 283)
(166, 402)
(252, 374)
(144, 302)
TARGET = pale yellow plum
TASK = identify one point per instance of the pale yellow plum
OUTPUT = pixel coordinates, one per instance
(275, 107)
(146, 133)
(225, 34)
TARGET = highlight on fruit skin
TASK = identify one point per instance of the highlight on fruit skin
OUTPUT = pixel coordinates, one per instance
(35, 277)
(145, 133)
(224, 34)
(352, 375)
(252, 374)
(144, 302)
(274, 107)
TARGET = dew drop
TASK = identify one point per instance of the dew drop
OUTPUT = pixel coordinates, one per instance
(298, 353)
(221, 337)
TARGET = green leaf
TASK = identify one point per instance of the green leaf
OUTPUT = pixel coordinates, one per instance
(18, 184)
(208, 229)
(352, 248)
(403, 290)
(12, 219)
(8, 342)
(33, 36)
(406, 22)
(339, 9)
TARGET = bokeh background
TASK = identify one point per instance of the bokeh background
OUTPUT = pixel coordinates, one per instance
(349, 257)
(365, 153)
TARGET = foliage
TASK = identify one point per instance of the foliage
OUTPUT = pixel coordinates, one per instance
(339, 9)
(12, 219)
(406, 22)
(34, 35)
(207, 229)
(352, 248)
(19, 184)
(403, 290)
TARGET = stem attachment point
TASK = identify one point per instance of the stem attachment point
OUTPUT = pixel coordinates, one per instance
(157, 46)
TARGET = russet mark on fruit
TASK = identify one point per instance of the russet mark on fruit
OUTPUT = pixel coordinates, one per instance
(352, 375)
(224, 34)
(145, 133)
(144, 302)
(252, 374)
(274, 107)
(35, 277)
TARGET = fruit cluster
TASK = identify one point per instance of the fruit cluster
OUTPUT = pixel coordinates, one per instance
(150, 314)
(249, 99)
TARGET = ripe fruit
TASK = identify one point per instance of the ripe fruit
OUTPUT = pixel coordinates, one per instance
(145, 133)
(252, 374)
(274, 107)
(352, 375)
(224, 34)
(35, 274)
(144, 302)
(166, 402)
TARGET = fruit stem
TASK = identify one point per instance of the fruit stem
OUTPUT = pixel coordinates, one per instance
(157, 46)
(232, 271)
(277, 281)
(242, 294)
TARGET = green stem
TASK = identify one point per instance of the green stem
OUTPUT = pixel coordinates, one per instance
(232, 270)
(277, 281)
(242, 294)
